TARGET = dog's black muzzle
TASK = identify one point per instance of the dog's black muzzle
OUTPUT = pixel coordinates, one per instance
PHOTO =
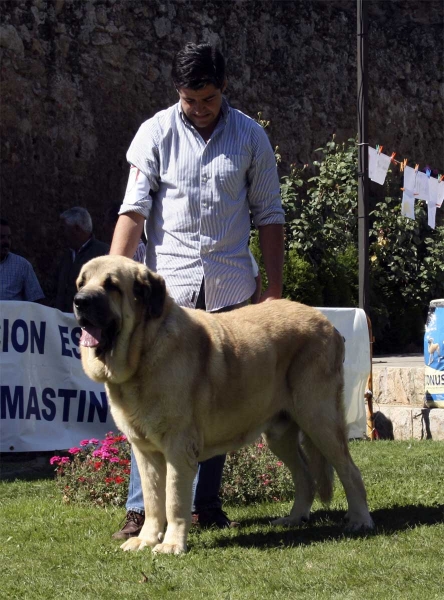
(92, 308)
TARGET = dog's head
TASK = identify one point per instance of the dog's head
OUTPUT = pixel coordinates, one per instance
(115, 296)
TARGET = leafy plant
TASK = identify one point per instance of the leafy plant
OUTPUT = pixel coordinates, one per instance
(406, 256)
(253, 474)
(407, 271)
(96, 472)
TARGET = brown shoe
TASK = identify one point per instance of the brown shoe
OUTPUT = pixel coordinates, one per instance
(133, 524)
(213, 517)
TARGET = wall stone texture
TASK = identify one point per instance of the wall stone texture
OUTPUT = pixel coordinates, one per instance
(78, 77)
(398, 385)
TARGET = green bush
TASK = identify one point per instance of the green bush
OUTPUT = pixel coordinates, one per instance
(97, 473)
(406, 256)
(300, 281)
(407, 271)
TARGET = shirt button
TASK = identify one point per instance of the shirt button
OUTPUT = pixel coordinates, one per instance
(204, 178)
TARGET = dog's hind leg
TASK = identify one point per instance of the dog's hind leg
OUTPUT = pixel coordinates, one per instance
(285, 445)
(152, 469)
(327, 431)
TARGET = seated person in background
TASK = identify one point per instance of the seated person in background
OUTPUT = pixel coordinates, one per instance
(17, 278)
(82, 246)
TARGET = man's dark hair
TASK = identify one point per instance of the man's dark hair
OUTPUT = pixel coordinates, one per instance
(4, 222)
(198, 65)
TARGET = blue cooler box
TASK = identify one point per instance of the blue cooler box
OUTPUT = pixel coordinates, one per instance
(434, 355)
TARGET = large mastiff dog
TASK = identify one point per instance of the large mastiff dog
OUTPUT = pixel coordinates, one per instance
(185, 385)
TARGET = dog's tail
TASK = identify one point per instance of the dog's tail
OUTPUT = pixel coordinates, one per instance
(321, 471)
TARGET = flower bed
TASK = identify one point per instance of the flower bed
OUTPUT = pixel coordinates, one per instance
(97, 472)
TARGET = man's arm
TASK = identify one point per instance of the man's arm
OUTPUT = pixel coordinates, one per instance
(271, 240)
(127, 234)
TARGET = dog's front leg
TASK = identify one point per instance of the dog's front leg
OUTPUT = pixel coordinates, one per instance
(181, 471)
(152, 469)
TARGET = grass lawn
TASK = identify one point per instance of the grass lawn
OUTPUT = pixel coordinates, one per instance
(53, 550)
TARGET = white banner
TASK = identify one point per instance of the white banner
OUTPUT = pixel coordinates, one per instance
(48, 403)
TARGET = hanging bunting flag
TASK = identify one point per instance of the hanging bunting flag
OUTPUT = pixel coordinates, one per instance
(417, 184)
(378, 165)
(408, 204)
(440, 192)
(422, 186)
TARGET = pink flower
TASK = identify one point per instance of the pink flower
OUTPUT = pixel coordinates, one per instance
(279, 463)
(55, 459)
(94, 441)
(260, 445)
(64, 460)
(74, 450)
(84, 442)
(114, 459)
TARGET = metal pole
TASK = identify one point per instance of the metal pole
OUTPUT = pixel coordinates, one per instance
(363, 224)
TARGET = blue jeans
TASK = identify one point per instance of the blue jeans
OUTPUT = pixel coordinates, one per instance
(207, 482)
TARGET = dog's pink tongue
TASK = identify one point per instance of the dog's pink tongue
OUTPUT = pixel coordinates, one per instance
(91, 337)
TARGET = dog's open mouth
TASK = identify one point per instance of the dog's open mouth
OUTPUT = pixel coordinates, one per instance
(91, 336)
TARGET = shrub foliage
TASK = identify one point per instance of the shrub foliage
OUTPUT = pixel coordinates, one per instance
(321, 267)
(97, 472)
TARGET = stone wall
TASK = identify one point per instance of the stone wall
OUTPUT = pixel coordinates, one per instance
(79, 76)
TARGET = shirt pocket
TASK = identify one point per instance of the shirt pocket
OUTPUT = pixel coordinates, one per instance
(231, 173)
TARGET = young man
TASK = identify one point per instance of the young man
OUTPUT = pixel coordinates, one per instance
(199, 169)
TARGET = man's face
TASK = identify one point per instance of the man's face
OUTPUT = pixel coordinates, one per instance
(70, 235)
(5, 241)
(202, 107)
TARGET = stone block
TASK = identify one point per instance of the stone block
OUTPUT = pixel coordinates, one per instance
(398, 385)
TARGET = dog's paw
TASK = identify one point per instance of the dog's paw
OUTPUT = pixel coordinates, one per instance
(290, 521)
(362, 523)
(169, 549)
(136, 543)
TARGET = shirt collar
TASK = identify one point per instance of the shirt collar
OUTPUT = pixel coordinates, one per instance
(82, 248)
(2, 262)
(224, 109)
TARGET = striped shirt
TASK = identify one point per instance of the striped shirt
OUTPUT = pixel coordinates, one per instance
(18, 280)
(197, 199)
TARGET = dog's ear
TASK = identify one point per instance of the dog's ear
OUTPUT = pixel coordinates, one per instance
(150, 288)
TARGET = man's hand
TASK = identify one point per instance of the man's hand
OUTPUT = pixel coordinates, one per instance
(269, 295)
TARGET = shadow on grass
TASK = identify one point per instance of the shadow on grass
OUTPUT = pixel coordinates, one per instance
(329, 525)
(26, 466)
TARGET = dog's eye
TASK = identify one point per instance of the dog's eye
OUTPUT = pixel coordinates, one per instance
(80, 284)
(110, 285)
